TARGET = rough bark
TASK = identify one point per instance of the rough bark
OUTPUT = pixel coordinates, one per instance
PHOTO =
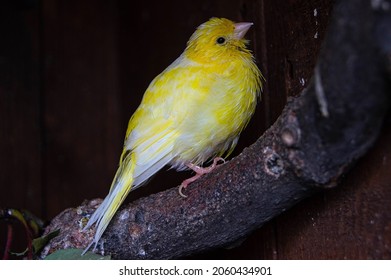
(318, 137)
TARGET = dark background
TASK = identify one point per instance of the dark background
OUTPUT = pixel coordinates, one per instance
(73, 72)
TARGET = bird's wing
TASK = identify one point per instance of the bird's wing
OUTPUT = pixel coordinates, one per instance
(152, 144)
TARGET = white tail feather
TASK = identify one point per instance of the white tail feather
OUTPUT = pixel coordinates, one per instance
(121, 186)
(130, 175)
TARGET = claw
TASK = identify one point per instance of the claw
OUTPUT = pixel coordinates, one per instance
(181, 187)
(199, 172)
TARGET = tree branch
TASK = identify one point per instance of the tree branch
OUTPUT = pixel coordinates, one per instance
(316, 139)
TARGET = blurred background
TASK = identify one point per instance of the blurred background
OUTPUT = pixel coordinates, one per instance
(73, 72)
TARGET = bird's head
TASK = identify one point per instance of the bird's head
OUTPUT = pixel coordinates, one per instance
(218, 40)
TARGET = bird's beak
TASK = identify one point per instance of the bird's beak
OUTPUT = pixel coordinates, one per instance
(241, 29)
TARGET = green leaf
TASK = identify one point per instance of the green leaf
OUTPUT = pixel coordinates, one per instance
(40, 242)
(35, 223)
(75, 254)
(21, 254)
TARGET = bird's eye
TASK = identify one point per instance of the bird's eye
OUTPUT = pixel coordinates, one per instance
(220, 40)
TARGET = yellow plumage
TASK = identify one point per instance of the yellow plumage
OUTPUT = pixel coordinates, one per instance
(193, 111)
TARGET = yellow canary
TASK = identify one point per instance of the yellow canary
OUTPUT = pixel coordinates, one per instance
(192, 112)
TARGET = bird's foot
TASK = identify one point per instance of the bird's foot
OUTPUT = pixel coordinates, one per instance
(199, 172)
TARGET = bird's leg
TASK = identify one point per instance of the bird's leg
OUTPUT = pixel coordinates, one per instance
(199, 172)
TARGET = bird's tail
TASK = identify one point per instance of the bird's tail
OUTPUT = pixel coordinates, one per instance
(121, 186)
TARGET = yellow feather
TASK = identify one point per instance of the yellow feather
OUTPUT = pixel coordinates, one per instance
(193, 111)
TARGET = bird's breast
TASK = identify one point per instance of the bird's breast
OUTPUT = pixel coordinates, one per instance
(220, 104)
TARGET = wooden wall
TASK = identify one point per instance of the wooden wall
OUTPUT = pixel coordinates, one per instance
(72, 73)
